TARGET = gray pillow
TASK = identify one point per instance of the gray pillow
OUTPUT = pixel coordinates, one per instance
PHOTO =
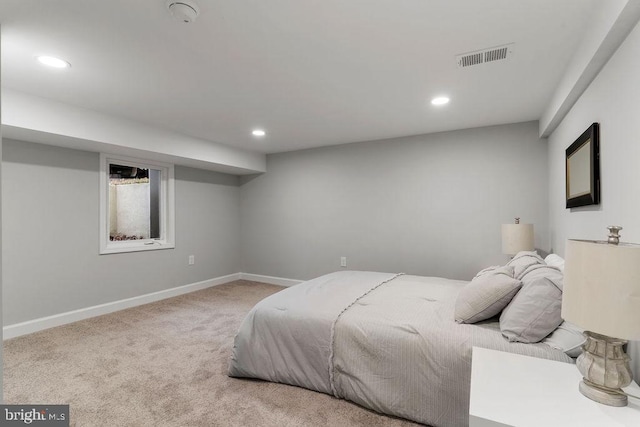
(538, 271)
(486, 295)
(523, 260)
(534, 312)
(487, 270)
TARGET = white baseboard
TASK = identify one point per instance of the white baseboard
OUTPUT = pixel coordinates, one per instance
(269, 279)
(28, 327)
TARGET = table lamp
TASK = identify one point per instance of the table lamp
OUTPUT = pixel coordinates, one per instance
(602, 295)
(517, 237)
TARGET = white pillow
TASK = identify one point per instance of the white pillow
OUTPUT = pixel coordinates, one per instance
(555, 261)
(568, 338)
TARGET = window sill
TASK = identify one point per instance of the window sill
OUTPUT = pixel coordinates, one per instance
(138, 246)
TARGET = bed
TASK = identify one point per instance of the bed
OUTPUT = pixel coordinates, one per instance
(388, 342)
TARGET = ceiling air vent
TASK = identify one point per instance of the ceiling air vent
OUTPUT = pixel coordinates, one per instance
(499, 53)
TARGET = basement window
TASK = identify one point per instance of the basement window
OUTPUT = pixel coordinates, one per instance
(136, 205)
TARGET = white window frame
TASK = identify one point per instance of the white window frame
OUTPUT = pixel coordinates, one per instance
(167, 207)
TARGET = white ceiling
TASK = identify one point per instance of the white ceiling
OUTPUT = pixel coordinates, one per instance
(311, 73)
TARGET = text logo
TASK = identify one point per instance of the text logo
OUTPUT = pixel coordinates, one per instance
(36, 415)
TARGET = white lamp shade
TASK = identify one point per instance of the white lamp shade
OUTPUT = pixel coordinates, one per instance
(602, 288)
(516, 238)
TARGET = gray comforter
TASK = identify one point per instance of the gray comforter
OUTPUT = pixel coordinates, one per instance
(387, 342)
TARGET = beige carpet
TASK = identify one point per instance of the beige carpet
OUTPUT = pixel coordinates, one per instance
(165, 364)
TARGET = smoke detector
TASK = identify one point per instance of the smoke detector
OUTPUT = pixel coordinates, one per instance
(184, 10)
(498, 53)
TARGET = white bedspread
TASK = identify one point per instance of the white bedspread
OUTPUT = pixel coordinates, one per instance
(387, 342)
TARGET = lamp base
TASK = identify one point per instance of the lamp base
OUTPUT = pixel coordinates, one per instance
(608, 397)
(605, 368)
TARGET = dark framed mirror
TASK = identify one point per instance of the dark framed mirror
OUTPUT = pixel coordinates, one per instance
(583, 169)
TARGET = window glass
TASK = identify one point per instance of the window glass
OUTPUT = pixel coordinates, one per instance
(137, 205)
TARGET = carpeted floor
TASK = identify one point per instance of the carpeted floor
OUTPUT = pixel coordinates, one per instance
(165, 364)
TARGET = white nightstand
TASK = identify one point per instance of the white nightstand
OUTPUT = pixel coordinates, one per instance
(512, 390)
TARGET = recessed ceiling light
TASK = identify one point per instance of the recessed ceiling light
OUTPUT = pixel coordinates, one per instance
(52, 61)
(440, 100)
(258, 132)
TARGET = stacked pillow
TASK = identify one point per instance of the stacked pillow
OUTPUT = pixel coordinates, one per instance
(534, 312)
(528, 292)
(523, 260)
(486, 295)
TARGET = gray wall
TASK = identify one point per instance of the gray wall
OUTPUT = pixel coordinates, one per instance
(1, 337)
(613, 100)
(50, 212)
(426, 205)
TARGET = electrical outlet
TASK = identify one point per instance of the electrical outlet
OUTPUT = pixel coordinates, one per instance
(192, 259)
(343, 261)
